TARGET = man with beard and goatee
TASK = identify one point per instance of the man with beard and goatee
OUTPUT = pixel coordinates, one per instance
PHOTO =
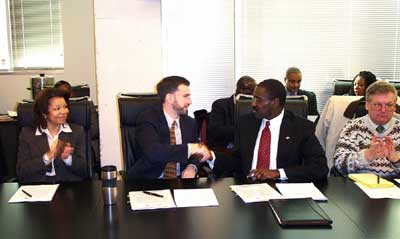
(167, 137)
(272, 143)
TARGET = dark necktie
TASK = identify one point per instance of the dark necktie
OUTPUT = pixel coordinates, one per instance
(380, 129)
(170, 167)
(264, 148)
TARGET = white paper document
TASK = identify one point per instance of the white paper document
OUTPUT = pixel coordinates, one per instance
(202, 197)
(300, 190)
(34, 193)
(375, 193)
(154, 199)
(255, 192)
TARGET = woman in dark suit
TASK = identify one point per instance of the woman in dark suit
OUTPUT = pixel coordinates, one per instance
(361, 81)
(53, 150)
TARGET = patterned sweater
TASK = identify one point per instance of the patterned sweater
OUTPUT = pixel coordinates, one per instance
(355, 137)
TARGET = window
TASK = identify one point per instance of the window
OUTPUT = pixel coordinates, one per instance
(198, 44)
(35, 34)
(325, 39)
(214, 43)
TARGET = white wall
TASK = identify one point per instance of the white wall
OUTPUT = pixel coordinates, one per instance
(13, 87)
(79, 46)
(128, 59)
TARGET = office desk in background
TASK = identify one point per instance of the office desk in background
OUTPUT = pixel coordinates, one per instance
(9, 132)
(77, 211)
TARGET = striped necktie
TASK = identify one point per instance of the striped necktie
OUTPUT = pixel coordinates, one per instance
(170, 167)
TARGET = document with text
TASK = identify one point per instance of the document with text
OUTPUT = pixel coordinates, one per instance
(255, 192)
(376, 193)
(300, 190)
(202, 197)
(34, 193)
(152, 199)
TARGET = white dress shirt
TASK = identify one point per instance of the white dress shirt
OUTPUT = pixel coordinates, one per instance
(50, 139)
(274, 126)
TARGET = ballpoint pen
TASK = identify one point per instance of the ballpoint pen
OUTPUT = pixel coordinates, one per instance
(153, 194)
(26, 193)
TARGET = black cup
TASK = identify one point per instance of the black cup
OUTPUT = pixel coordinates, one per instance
(109, 184)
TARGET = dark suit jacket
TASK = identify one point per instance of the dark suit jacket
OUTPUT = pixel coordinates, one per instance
(221, 128)
(30, 165)
(153, 150)
(312, 101)
(356, 109)
(299, 151)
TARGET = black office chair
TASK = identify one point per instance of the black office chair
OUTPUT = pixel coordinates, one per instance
(341, 86)
(130, 105)
(242, 107)
(296, 104)
(80, 114)
(81, 90)
(396, 84)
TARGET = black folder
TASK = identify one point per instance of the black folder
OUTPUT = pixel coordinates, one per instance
(299, 212)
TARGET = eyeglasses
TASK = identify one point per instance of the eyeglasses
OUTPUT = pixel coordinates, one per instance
(379, 106)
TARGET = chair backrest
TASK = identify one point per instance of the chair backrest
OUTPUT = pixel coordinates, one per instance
(242, 107)
(130, 106)
(342, 87)
(297, 104)
(81, 90)
(80, 114)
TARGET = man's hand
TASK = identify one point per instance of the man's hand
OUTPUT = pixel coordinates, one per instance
(376, 150)
(390, 150)
(263, 174)
(201, 149)
(189, 172)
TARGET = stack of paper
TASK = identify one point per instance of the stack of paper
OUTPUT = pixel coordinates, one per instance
(385, 192)
(158, 199)
(255, 192)
(300, 190)
(370, 180)
(155, 199)
(34, 193)
(202, 197)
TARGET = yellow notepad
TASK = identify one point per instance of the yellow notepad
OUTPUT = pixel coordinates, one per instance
(370, 180)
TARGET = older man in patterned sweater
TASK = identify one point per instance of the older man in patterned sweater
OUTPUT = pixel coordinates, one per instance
(371, 144)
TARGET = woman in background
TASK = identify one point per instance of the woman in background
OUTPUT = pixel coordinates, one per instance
(53, 150)
(360, 84)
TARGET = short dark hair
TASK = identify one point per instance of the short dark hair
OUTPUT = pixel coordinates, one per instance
(245, 84)
(41, 105)
(169, 85)
(66, 84)
(274, 89)
(292, 69)
(369, 78)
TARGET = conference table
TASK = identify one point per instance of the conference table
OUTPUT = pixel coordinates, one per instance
(77, 211)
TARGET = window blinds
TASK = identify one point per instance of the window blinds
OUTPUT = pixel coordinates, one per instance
(325, 39)
(36, 34)
(198, 44)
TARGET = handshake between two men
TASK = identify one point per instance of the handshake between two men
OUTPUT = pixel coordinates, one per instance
(198, 153)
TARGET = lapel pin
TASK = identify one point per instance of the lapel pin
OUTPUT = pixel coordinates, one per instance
(287, 137)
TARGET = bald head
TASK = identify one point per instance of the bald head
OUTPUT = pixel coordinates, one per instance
(245, 85)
